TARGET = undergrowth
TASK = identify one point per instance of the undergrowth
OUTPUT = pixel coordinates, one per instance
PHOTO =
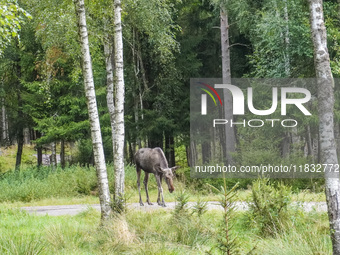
(157, 232)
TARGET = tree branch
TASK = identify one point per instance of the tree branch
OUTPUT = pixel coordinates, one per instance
(240, 44)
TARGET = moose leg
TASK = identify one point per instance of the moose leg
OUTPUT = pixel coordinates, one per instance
(146, 179)
(138, 184)
(160, 191)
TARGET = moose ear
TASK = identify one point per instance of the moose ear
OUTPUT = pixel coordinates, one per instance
(174, 168)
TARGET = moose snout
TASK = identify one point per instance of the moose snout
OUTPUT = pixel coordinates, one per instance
(170, 185)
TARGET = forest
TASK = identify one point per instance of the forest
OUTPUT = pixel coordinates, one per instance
(85, 84)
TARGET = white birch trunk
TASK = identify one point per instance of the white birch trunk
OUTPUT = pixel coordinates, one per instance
(228, 101)
(119, 104)
(326, 123)
(110, 88)
(99, 159)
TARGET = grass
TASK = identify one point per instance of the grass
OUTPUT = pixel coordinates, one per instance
(28, 159)
(133, 197)
(87, 200)
(78, 185)
(137, 232)
(157, 232)
(8, 157)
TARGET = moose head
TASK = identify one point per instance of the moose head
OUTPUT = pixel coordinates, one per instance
(168, 174)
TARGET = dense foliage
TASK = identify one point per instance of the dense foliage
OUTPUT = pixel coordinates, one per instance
(165, 44)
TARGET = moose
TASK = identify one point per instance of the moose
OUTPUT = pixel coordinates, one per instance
(153, 161)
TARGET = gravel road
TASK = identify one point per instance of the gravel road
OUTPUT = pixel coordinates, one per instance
(58, 210)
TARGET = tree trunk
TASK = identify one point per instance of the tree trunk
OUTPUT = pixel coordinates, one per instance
(187, 152)
(192, 154)
(4, 134)
(287, 40)
(214, 154)
(62, 154)
(337, 138)
(228, 101)
(131, 152)
(326, 123)
(98, 151)
(2, 104)
(309, 143)
(110, 88)
(20, 140)
(136, 114)
(170, 149)
(39, 151)
(27, 136)
(205, 146)
(53, 156)
(20, 128)
(119, 104)
(138, 68)
(285, 145)
(295, 138)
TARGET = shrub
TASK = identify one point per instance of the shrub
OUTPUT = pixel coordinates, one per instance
(200, 208)
(269, 206)
(86, 181)
(186, 228)
(84, 154)
(181, 208)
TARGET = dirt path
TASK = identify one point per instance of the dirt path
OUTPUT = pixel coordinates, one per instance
(57, 210)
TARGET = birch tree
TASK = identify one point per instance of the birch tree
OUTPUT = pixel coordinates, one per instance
(119, 104)
(110, 86)
(326, 123)
(99, 159)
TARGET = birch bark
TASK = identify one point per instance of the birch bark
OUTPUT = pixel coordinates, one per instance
(326, 122)
(99, 159)
(110, 88)
(119, 104)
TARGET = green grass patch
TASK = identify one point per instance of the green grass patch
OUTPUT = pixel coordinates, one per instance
(78, 185)
(36, 184)
(8, 157)
(158, 232)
